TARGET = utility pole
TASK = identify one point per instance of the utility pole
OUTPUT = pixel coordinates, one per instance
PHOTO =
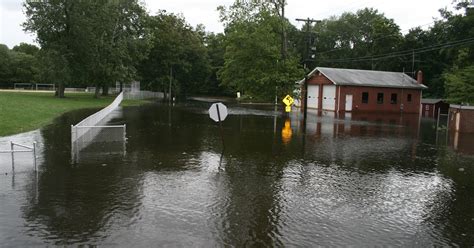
(304, 94)
(171, 79)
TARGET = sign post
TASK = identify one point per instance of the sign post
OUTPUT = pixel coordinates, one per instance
(218, 113)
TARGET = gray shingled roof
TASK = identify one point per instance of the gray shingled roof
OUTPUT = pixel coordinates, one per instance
(368, 78)
(431, 101)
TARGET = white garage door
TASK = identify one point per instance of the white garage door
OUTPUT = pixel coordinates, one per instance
(313, 96)
(329, 97)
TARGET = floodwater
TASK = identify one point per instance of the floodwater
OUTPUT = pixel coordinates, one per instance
(354, 180)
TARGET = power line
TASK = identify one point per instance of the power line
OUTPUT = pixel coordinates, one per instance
(379, 38)
(404, 52)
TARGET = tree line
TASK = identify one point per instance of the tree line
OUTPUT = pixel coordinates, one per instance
(260, 54)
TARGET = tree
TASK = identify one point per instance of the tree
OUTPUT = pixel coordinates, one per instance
(17, 66)
(253, 60)
(26, 48)
(99, 42)
(460, 86)
(177, 55)
(357, 35)
(4, 64)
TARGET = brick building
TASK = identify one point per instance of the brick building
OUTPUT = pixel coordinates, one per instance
(352, 90)
(461, 118)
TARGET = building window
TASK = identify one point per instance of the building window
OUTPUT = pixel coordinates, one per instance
(365, 97)
(393, 98)
(380, 98)
(409, 98)
(427, 107)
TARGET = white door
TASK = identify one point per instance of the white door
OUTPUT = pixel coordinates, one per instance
(329, 97)
(348, 102)
(313, 96)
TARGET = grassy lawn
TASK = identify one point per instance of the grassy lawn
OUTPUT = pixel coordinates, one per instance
(26, 111)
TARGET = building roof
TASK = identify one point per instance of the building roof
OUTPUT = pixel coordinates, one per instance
(431, 101)
(461, 107)
(368, 78)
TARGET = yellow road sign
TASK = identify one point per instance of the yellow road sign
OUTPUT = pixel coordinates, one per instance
(288, 100)
(288, 108)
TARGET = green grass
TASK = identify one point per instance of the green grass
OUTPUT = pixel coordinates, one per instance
(25, 111)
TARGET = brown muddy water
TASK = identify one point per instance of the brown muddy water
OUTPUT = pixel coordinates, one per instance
(355, 180)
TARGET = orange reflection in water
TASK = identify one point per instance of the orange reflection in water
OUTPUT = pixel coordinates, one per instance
(286, 132)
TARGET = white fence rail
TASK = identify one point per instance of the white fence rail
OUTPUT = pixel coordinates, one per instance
(139, 95)
(88, 130)
(12, 150)
(94, 119)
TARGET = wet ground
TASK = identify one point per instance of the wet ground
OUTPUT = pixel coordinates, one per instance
(355, 180)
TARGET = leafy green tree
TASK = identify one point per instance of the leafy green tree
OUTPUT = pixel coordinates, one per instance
(215, 45)
(460, 86)
(356, 35)
(4, 64)
(23, 68)
(26, 48)
(99, 42)
(253, 61)
(17, 66)
(177, 54)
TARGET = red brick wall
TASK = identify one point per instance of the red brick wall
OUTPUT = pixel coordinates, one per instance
(386, 106)
(466, 124)
(319, 79)
(372, 105)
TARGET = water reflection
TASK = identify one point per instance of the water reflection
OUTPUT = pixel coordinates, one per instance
(344, 180)
(462, 142)
(286, 132)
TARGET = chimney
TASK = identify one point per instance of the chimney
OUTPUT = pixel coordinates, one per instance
(419, 77)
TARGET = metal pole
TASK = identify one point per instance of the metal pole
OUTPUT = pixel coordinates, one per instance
(124, 139)
(437, 121)
(34, 154)
(169, 92)
(276, 98)
(13, 156)
(220, 125)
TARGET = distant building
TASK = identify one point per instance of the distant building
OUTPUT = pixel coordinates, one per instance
(349, 90)
(461, 118)
(430, 107)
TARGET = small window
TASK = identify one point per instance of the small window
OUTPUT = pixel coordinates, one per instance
(409, 97)
(380, 98)
(365, 97)
(427, 107)
(393, 98)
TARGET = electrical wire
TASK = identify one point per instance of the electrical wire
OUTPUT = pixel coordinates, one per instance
(404, 52)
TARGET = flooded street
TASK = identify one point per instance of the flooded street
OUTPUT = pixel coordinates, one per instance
(355, 180)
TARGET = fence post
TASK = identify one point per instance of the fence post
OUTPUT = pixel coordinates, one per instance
(13, 156)
(124, 140)
(34, 154)
(437, 121)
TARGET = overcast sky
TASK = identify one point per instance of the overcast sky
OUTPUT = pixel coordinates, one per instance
(406, 13)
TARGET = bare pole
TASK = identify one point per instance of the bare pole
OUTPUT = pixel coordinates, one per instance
(13, 156)
(171, 78)
(220, 126)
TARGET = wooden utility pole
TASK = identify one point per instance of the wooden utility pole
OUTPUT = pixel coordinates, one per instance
(280, 10)
(304, 93)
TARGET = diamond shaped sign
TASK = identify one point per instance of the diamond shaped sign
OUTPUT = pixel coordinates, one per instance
(288, 100)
